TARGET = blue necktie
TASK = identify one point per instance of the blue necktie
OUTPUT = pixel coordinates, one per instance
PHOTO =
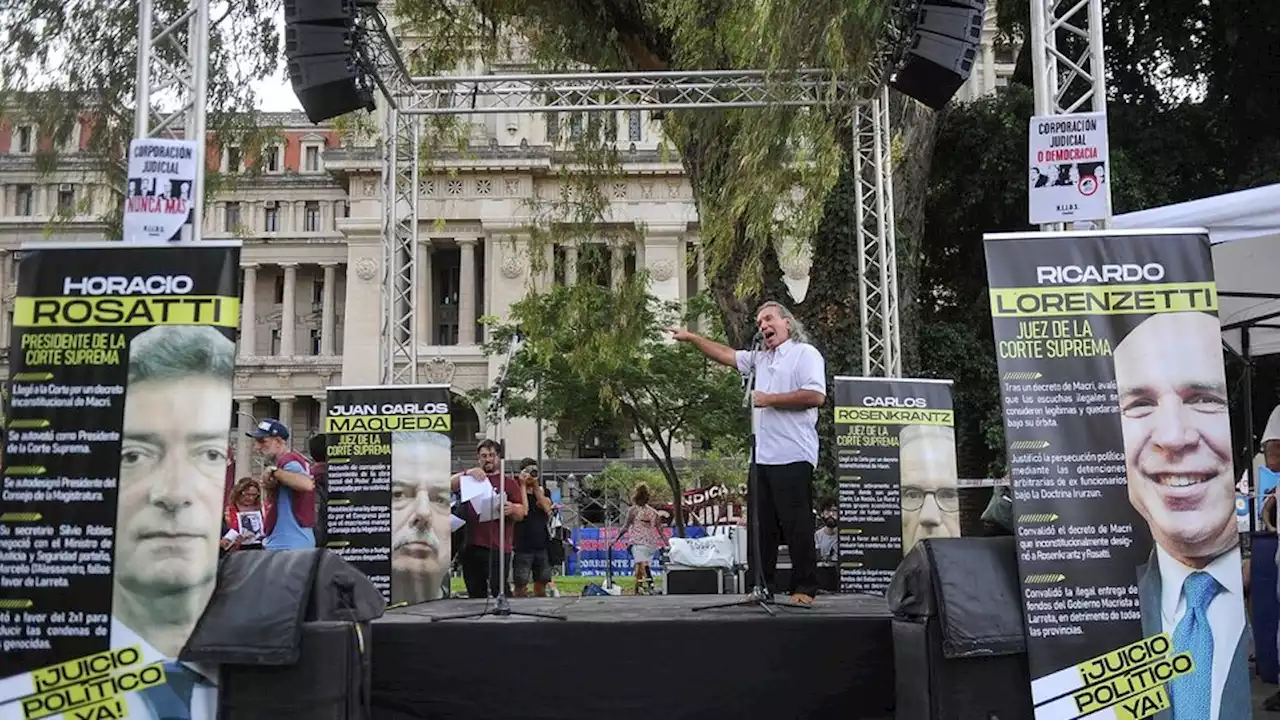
(1191, 694)
(172, 700)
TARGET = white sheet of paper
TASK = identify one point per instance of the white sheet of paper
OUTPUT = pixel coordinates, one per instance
(455, 522)
(487, 507)
(470, 488)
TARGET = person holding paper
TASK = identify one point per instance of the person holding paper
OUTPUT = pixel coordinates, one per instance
(486, 496)
(290, 505)
(245, 504)
(1178, 458)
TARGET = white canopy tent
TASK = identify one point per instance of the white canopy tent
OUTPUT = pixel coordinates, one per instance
(1244, 228)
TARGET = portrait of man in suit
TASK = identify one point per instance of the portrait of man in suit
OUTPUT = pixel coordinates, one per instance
(1177, 444)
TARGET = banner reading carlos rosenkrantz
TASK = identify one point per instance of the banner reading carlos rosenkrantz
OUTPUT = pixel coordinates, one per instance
(897, 474)
(1119, 442)
(389, 466)
(115, 456)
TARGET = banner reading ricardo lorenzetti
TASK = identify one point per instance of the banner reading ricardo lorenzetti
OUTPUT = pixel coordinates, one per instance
(122, 364)
(389, 467)
(1115, 407)
(897, 474)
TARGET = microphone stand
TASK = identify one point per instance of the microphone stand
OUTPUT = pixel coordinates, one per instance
(495, 418)
(760, 596)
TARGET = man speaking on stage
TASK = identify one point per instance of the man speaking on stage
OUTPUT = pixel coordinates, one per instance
(790, 386)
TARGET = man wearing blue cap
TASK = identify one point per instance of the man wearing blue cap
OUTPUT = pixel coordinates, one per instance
(288, 492)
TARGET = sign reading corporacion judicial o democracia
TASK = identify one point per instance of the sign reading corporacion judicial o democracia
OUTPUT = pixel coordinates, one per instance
(897, 474)
(1119, 443)
(122, 364)
(389, 455)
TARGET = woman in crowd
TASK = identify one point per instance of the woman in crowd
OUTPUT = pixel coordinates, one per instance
(646, 536)
(244, 516)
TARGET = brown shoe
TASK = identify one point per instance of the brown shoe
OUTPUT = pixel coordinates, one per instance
(801, 599)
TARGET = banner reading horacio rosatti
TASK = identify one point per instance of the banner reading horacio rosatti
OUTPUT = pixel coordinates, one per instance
(122, 363)
(1115, 408)
(897, 474)
(389, 453)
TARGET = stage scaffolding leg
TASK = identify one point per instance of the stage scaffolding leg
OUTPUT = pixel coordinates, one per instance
(400, 286)
(877, 246)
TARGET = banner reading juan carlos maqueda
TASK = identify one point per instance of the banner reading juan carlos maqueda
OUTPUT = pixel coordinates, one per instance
(1119, 443)
(116, 447)
(897, 474)
(389, 455)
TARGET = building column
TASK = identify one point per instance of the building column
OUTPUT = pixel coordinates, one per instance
(424, 294)
(220, 211)
(286, 412)
(327, 311)
(249, 312)
(288, 313)
(322, 402)
(988, 66)
(571, 264)
(244, 446)
(617, 266)
(467, 292)
(326, 216)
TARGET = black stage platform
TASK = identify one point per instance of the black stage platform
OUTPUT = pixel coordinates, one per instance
(635, 657)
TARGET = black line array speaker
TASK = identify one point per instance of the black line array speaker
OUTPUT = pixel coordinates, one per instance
(959, 648)
(941, 51)
(320, 48)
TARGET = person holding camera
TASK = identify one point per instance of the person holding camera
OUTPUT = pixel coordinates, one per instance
(532, 562)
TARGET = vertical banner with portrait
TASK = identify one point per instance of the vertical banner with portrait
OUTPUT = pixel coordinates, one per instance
(896, 451)
(122, 364)
(389, 453)
(1115, 412)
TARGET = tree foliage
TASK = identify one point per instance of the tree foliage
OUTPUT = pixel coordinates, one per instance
(69, 61)
(593, 356)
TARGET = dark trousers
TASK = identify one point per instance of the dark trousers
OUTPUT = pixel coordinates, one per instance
(783, 506)
(480, 571)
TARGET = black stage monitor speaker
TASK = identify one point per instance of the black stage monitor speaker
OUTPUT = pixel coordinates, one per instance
(332, 12)
(941, 52)
(329, 85)
(959, 647)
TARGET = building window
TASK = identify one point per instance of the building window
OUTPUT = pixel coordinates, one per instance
(275, 341)
(317, 292)
(26, 200)
(235, 159)
(271, 159)
(345, 208)
(315, 341)
(311, 158)
(633, 125)
(233, 217)
(311, 216)
(280, 288)
(24, 140)
(270, 218)
(66, 199)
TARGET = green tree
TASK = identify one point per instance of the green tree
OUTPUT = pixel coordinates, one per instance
(64, 62)
(593, 355)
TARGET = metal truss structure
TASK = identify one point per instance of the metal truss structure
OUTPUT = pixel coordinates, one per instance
(877, 241)
(1067, 59)
(410, 98)
(170, 60)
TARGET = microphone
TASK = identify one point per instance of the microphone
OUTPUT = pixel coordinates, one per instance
(758, 339)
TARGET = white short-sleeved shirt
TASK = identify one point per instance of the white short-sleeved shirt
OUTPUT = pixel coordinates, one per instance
(786, 436)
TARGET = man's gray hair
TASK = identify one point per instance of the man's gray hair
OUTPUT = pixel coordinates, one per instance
(175, 352)
(421, 437)
(912, 433)
(798, 333)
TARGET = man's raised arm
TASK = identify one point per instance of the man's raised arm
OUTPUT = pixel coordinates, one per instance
(722, 354)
